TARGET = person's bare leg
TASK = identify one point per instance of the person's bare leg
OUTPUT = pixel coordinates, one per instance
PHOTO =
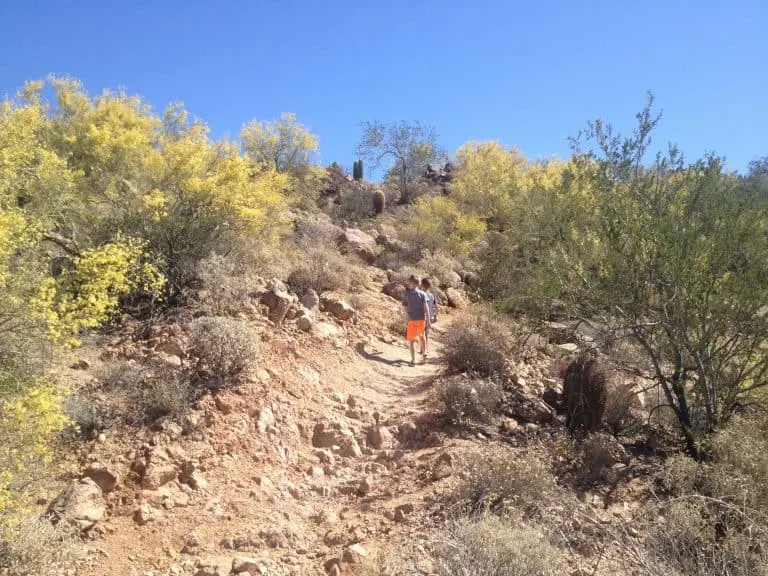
(425, 347)
(413, 351)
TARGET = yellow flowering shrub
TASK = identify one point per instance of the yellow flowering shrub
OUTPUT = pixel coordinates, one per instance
(438, 225)
(30, 421)
(89, 294)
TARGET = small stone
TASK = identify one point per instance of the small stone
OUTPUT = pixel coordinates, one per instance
(158, 475)
(101, 438)
(244, 564)
(325, 456)
(354, 554)
(568, 347)
(146, 514)
(402, 512)
(350, 448)
(173, 360)
(266, 419)
(304, 323)
(365, 487)
(262, 375)
(225, 405)
(81, 365)
(510, 425)
(214, 567)
(191, 545)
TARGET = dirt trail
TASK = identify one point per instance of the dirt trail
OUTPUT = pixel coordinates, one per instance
(269, 493)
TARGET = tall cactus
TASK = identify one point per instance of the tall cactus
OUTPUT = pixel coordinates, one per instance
(357, 170)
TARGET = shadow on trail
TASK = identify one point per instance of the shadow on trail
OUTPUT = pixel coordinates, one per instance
(376, 357)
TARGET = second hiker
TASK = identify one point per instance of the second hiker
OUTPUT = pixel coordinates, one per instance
(415, 302)
(431, 297)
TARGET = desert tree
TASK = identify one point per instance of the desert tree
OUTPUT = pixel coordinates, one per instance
(284, 145)
(408, 146)
(674, 256)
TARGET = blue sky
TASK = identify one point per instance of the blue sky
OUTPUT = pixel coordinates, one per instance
(525, 73)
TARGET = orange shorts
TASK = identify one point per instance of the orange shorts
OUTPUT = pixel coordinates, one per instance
(415, 329)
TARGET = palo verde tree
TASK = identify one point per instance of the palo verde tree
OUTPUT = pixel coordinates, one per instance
(674, 256)
(409, 146)
(284, 145)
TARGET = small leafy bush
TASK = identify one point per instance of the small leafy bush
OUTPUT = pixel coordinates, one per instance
(438, 225)
(466, 397)
(225, 350)
(442, 269)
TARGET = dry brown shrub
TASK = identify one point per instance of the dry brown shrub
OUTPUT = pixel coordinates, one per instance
(497, 482)
(480, 343)
(224, 350)
(717, 514)
(35, 546)
(465, 397)
(493, 546)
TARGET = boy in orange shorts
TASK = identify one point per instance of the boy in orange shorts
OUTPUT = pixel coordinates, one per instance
(418, 316)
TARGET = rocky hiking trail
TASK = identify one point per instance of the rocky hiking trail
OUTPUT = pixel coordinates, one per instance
(321, 461)
(329, 457)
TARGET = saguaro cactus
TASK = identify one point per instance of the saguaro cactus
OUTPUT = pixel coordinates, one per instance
(357, 170)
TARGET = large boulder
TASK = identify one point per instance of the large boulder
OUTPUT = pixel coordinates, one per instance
(450, 279)
(310, 300)
(455, 298)
(531, 409)
(105, 478)
(335, 304)
(80, 504)
(330, 434)
(279, 302)
(394, 290)
(558, 333)
(354, 240)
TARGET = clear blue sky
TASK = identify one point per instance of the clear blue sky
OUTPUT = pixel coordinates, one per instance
(523, 72)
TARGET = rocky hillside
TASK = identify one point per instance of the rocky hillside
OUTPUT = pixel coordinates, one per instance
(332, 457)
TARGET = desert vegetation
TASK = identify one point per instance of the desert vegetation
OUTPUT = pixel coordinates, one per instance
(121, 224)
